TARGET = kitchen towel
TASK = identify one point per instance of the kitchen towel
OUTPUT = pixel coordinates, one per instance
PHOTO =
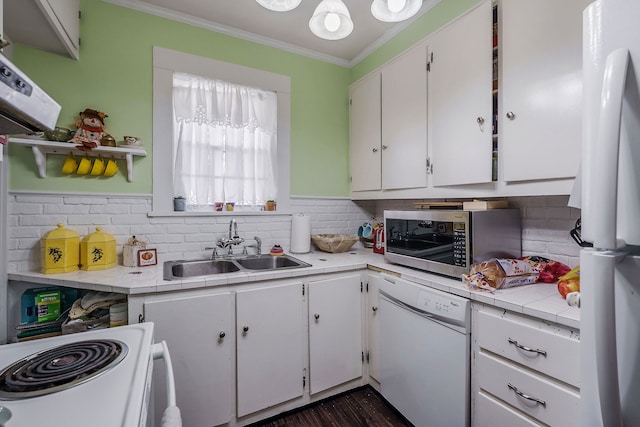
(300, 233)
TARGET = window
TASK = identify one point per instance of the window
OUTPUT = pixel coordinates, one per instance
(224, 143)
(169, 63)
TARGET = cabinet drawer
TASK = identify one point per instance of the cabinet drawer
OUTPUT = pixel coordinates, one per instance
(490, 412)
(510, 338)
(504, 380)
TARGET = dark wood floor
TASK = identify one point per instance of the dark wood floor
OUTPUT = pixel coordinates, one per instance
(362, 407)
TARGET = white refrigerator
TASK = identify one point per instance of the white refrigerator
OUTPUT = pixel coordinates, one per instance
(609, 191)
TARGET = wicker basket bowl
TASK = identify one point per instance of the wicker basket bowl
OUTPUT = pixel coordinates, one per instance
(334, 242)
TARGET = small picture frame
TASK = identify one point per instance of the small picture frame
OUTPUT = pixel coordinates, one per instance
(147, 257)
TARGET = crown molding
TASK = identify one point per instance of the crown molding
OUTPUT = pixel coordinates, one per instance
(230, 31)
(391, 33)
(252, 37)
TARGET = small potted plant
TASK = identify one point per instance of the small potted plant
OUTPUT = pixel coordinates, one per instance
(179, 204)
(270, 205)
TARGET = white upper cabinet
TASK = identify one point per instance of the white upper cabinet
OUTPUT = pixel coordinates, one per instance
(365, 134)
(460, 100)
(388, 118)
(541, 90)
(404, 120)
(50, 25)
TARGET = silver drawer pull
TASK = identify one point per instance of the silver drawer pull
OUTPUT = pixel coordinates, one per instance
(525, 396)
(531, 350)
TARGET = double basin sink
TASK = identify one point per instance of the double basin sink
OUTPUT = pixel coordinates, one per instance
(174, 270)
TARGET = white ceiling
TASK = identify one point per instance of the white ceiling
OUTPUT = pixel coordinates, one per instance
(286, 30)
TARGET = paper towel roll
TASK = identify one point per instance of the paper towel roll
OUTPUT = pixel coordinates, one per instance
(300, 233)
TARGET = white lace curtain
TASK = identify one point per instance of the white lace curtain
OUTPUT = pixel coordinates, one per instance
(225, 142)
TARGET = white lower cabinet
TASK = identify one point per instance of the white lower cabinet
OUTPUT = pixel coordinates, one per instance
(525, 371)
(335, 331)
(246, 352)
(373, 348)
(200, 334)
(269, 327)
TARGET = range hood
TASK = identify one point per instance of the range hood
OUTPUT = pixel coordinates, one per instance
(24, 107)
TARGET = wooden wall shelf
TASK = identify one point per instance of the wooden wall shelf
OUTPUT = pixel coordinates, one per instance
(41, 148)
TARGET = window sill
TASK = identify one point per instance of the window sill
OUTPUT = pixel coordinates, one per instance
(157, 214)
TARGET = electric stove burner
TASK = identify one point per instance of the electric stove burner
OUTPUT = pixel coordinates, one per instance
(60, 368)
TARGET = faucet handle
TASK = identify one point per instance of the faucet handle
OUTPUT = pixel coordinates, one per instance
(258, 244)
(214, 254)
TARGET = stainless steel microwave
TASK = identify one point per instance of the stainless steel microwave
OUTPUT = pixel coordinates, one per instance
(448, 242)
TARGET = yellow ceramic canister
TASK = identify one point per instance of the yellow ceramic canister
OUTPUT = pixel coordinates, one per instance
(59, 251)
(98, 251)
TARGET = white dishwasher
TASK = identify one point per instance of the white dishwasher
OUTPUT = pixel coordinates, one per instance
(424, 353)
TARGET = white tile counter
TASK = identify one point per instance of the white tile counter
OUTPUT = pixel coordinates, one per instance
(540, 300)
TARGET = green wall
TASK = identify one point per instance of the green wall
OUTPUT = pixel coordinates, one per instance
(114, 75)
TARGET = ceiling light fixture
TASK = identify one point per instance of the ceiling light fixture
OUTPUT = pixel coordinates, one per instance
(279, 5)
(331, 20)
(395, 10)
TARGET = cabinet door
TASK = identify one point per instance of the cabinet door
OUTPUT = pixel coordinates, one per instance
(64, 18)
(269, 346)
(460, 100)
(335, 331)
(200, 337)
(540, 124)
(404, 120)
(365, 134)
(50, 25)
(373, 326)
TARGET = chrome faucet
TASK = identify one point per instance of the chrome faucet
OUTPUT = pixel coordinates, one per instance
(233, 223)
(234, 239)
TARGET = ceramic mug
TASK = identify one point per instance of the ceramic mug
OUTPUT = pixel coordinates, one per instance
(84, 167)
(111, 168)
(98, 166)
(70, 164)
(218, 206)
(367, 229)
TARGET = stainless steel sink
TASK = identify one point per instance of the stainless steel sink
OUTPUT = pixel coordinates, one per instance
(269, 262)
(174, 270)
(198, 268)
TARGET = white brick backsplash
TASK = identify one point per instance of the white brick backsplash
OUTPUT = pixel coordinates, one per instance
(166, 238)
(546, 223)
(111, 209)
(41, 220)
(148, 229)
(93, 219)
(26, 208)
(130, 219)
(139, 209)
(71, 200)
(133, 200)
(183, 229)
(166, 220)
(568, 249)
(25, 232)
(531, 247)
(66, 209)
(39, 199)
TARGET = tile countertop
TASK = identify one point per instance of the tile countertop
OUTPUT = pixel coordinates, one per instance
(540, 300)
